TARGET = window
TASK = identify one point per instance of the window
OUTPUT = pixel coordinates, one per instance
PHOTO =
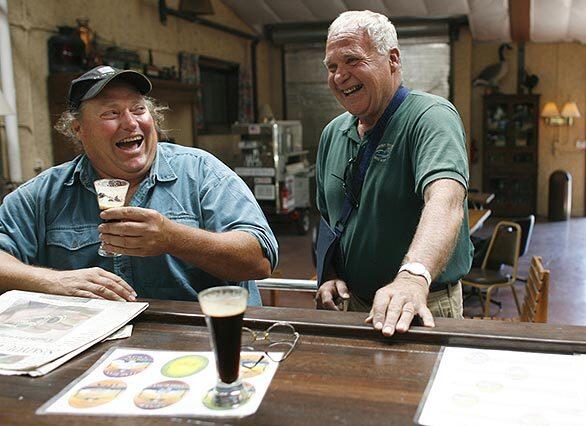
(426, 66)
(219, 80)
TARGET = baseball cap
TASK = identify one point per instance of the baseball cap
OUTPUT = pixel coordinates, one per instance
(90, 84)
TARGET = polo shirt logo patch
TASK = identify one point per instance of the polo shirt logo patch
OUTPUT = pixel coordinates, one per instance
(383, 152)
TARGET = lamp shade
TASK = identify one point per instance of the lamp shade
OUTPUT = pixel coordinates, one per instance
(4, 107)
(570, 110)
(550, 109)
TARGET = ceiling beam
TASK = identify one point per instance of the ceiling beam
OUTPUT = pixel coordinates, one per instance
(520, 17)
(316, 32)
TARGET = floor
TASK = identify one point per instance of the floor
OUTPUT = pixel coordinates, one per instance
(561, 245)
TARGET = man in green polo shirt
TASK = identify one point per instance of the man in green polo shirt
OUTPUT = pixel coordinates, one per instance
(406, 244)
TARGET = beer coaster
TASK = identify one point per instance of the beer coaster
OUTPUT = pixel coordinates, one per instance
(184, 366)
(97, 393)
(162, 394)
(464, 399)
(246, 365)
(489, 386)
(128, 365)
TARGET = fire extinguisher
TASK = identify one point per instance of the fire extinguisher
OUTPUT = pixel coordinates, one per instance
(284, 193)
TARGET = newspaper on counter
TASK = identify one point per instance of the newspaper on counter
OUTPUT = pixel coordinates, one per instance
(123, 333)
(39, 332)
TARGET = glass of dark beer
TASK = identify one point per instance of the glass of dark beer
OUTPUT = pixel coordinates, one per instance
(224, 310)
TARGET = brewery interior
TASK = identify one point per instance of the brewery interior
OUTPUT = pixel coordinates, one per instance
(241, 74)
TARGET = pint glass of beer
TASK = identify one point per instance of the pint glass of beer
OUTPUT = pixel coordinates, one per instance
(224, 309)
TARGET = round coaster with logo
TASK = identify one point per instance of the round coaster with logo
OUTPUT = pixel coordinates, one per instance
(97, 393)
(160, 395)
(128, 365)
(248, 368)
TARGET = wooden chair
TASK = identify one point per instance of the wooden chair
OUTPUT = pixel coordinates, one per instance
(503, 249)
(527, 224)
(536, 300)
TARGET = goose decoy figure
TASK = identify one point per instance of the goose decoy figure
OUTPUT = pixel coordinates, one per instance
(492, 74)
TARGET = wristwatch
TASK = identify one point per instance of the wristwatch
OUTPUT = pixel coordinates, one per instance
(416, 268)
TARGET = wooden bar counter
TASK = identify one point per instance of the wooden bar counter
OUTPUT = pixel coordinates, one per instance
(341, 373)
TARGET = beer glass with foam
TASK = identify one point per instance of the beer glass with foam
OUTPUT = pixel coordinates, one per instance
(224, 310)
(111, 193)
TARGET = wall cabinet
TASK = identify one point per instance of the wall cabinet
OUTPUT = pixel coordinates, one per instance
(511, 125)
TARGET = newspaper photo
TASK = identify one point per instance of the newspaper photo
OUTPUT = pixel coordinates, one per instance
(37, 329)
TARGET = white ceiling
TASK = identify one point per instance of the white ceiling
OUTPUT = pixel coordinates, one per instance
(558, 20)
(551, 20)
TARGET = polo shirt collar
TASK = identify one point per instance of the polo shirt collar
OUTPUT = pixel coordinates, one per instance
(349, 128)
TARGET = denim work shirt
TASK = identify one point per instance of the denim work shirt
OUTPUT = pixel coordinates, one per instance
(52, 220)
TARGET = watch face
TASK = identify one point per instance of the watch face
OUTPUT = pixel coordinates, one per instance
(417, 268)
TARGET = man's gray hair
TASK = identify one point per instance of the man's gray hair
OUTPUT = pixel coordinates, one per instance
(65, 122)
(378, 27)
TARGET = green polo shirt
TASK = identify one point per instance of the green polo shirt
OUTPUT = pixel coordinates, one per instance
(423, 142)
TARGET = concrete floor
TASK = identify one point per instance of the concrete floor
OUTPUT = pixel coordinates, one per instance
(561, 245)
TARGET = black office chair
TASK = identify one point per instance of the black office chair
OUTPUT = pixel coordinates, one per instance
(503, 249)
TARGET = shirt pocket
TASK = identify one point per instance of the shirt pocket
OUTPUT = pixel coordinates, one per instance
(73, 247)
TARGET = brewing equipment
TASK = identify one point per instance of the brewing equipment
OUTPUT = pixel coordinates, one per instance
(274, 164)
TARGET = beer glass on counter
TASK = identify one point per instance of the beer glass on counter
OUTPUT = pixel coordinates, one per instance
(111, 193)
(224, 310)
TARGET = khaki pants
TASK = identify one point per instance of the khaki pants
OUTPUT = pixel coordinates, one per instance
(444, 303)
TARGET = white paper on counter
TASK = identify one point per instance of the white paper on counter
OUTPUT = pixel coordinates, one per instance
(125, 377)
(496, 387)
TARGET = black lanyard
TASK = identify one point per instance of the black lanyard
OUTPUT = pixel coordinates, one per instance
(373, 141)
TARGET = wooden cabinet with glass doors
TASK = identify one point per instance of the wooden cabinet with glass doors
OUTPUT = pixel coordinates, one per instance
(511, 125)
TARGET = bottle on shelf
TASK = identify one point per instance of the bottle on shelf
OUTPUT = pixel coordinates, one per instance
(150, 69)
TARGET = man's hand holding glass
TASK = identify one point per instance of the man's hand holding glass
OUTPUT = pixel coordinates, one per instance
(136, 231)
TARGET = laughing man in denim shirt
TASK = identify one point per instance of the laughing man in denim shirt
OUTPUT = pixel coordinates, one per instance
(190, 222)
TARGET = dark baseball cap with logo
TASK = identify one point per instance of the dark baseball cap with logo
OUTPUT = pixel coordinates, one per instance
(90, 84)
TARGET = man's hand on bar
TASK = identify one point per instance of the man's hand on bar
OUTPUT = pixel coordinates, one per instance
(95, 283)
(397, 303)
(331, 293)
